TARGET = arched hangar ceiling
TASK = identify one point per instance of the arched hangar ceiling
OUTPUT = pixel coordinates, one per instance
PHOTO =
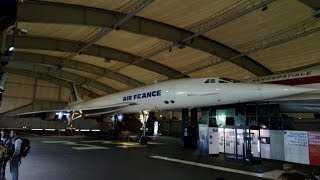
(48, 78)
(73, 14)
(163, 40)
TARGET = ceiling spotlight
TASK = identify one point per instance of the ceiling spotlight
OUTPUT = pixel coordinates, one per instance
(11, 48)
(264, 8)
(23, 31)
(181, 45)
(19, 31)
(316, 14)
(107, 60)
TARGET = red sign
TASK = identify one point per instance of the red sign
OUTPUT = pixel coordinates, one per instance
(314, 148)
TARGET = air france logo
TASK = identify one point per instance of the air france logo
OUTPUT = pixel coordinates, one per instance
(142, 95)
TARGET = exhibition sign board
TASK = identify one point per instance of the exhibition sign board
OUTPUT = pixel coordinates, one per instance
(277, 145)
(296, 146)
(213, 140)
(265, 143)
(203, 139)
(240, 142)
(230, 139)
(255, 143)
(221, 139)
(314, 148)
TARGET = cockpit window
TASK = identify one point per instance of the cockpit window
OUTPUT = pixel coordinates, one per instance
(228, 80)
(210, 81)
(222, 81)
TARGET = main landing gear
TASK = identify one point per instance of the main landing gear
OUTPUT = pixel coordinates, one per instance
(144, 115)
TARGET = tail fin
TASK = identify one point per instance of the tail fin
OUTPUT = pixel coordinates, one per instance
(74, 95)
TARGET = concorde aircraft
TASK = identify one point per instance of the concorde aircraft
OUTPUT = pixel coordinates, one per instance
(304, 102)
(175, 94)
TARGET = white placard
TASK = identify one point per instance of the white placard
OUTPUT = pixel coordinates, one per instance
(229, 140)
(213, 140)
(240, 142)
(296, 146)
(265, 143)
(203, 139)
(255, 143)
(221, 140)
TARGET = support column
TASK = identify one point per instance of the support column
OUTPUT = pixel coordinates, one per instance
(212, 117)
(4, 41)
(150, 123)
(114, 125)
(184, 127)
(204, 115)
(193, 129)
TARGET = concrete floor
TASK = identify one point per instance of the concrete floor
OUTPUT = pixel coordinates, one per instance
(83, 158)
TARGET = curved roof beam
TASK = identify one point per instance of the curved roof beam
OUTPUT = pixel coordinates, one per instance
(50, 79)
(31, 11)
(60, 74)
(46, 43)
(78, 65)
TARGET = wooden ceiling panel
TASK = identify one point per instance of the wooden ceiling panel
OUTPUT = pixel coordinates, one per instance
(181, 59)
(299, 52)
(8, 104)
(18, 78)
(41, 82)
(182, 13)
(102, 4)
(95, 90)
(142, 75)
(129, 42)
(225, 69)
(279, 15)
(81, 73)
(60, 31)
(99, 61)
(44, 52)
(115, 84)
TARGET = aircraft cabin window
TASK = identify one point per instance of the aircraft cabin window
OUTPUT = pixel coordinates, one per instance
(207, 81)
(212, 81)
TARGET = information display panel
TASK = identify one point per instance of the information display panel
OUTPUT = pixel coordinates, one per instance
(221, 140)
(265, 143)
(314, 148)
(229, 140)
(203, 139)
(296, 146)
(213, 140)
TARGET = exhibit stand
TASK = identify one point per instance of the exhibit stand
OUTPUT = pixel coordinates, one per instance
(241, 144)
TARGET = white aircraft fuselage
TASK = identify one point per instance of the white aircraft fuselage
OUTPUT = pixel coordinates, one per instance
(189, 93)
(304, 102)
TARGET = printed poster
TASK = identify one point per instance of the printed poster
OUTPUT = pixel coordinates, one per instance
(203, 139)
(221, 140)
(265, 143)
(255, 143)
(314, 148)
(230, 140)
(240, 142)
(213, 140)
(296, 147)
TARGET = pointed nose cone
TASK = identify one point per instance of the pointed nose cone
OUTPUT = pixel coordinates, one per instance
(275, 90)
